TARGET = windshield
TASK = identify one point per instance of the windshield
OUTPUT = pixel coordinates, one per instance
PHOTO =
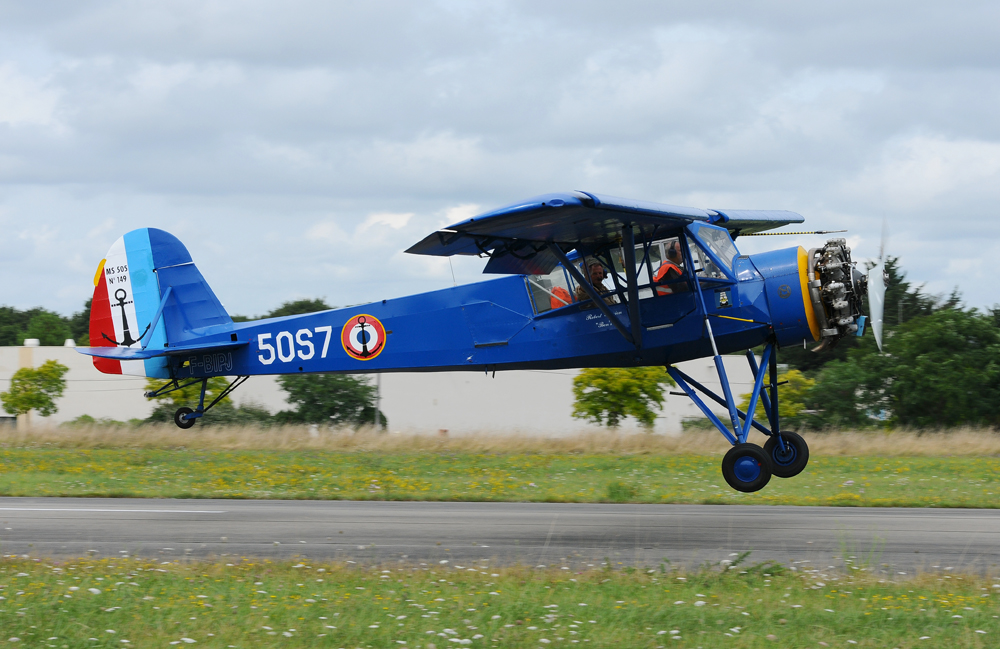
(719, 242)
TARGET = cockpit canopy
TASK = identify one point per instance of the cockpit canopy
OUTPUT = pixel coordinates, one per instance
(661, 269)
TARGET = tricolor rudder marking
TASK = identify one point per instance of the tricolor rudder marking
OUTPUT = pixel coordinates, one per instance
(100, 321)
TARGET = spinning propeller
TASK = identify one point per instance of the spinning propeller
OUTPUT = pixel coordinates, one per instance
(876, 290)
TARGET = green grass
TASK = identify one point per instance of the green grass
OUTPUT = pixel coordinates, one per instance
(963, 481)
(262, 604)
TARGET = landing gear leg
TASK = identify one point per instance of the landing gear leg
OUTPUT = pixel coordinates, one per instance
(787, 451)
(746, 467)
(185, 417)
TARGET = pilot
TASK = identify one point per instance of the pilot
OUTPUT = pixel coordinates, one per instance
(670, 270)
(597, 275)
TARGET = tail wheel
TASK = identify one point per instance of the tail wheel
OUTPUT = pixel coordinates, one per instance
(180, 418)
(788, 461)
(746, 468)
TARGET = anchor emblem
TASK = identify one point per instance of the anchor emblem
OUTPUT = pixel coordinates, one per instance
(364, 337)
(126, 341)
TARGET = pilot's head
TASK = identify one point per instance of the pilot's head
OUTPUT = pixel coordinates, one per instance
(596, 273)
(674, 251)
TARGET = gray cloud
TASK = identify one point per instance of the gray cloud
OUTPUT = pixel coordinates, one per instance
(284, 142)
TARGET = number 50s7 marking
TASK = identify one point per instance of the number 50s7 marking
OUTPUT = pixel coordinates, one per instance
(286, 345)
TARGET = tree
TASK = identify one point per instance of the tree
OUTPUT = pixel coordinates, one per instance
(945, 370)
(334, 399)
(293, 307)
(35, 389)
(297, 307)
(79, 325)
(904, 301)
(605, 396)
(941, 369)
(50, 330)
(792, 397)
(13, 324)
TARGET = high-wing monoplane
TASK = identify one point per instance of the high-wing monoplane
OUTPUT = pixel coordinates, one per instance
(586, 280)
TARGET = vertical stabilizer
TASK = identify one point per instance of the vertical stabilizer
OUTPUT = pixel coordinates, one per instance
(128, 289)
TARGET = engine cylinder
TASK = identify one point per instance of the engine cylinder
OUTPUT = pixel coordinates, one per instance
(836, 290)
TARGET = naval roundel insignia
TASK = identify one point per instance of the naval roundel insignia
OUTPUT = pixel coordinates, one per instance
(363, 337)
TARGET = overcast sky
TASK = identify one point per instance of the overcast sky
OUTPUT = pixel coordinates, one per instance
(298, 147)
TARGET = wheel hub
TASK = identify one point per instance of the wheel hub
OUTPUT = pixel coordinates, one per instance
(786, 456)
(746, 469)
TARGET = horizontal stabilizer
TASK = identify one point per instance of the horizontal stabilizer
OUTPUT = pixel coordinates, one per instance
(753, 221)
(136, 354)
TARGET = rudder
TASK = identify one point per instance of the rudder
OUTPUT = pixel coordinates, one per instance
(128, 289)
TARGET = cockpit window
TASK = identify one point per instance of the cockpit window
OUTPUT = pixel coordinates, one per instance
(659, 268)
(551, 291)
(720, 243)
(704, 267)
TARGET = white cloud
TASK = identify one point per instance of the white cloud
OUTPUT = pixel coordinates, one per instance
(459, 213)
(389, 219)
(306, 145)
(26, 100)
(922, 169)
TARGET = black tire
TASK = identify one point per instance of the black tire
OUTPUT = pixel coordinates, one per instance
(179, 418)
(746, 468)
(789, 463)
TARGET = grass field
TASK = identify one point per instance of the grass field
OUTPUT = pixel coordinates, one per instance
(127, 602)
(637, 468)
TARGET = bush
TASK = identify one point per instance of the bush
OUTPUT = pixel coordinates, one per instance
(606, 396)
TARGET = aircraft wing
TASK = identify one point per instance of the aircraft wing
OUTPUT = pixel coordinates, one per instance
(516, 236)
(137, 353)
(752, 221)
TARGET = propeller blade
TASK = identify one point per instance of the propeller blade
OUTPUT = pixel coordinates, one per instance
(876, 299)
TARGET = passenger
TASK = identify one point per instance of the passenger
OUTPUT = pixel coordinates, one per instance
(670, 270)
(559, 298)
(597, 275)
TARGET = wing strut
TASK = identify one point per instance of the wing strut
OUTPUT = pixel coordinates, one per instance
(591, 291)
(719, 365)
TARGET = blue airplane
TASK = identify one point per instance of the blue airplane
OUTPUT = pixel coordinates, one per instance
(586, 280)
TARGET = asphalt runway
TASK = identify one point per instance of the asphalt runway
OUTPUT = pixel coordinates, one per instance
(897, 540)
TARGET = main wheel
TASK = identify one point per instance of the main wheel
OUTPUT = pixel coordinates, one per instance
(792, 459)
(746, 468)
(179, 418)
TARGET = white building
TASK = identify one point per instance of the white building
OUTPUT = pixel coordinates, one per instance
(533, 402)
